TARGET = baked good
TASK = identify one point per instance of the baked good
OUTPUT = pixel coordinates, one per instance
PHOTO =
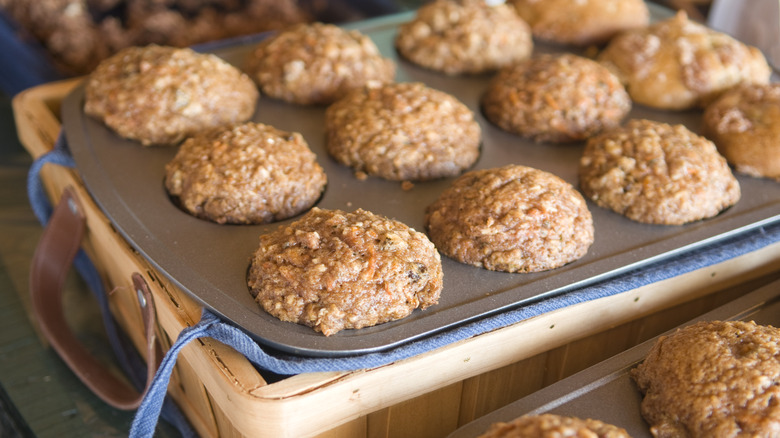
(402, 131)
(555, 98)
(657, 173)
(512, 218)
(246, 174)
(581, 22)
(159, 95)
(78, 34)
(679, 64)
(553, 426)
(464, 37)
(712, 379)
(317, 63)
(332, 270)
(744, 123)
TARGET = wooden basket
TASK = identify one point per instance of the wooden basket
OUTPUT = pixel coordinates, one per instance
(429, 395)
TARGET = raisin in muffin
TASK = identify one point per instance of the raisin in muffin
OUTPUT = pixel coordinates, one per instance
(464, 37)
(332, 270)
(317, 63)
(712, 379)
(512, 218)
(159, 95)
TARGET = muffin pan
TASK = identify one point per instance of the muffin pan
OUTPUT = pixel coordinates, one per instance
(209, 261)
(606, 391)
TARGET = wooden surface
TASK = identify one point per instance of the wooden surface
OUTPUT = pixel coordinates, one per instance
(431, 394)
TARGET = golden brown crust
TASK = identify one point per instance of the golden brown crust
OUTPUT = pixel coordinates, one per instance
(581, 22)
(247, 174)
(159, 95)
(464, 36)
(744, 123)
(556, 98)
(678, 64)
(657, 173)
(512, 218)
(713, 379)
(317, 63)
(332, 270)
(554, 426)
(402, 131)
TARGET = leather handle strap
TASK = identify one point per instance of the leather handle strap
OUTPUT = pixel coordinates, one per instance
(53, 258)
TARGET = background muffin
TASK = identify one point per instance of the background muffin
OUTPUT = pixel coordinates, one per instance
(317, 63)
(657, 173)
(464, 36)
(555, 98)
(678, 64)
(581, 23)
(512, 218)
(160, 95)
(553, 426)
(402, 131)
(714, 378)
(744, 123)
(332, 270)
(247, 174)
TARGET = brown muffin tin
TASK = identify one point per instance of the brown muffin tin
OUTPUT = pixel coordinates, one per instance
(210, 261)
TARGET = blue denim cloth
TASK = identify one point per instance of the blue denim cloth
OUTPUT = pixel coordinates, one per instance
(156, 404)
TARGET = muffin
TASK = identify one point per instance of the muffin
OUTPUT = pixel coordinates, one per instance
(464, 37)
(555, 98)
(402, 132)
(712, 379)
(657, 173)
(744, 123)
(317, 63)
(246, 174)
(678, 64)
(332, 270)
(581, 23)
(553, 426)
(512, 218)
(160, 95)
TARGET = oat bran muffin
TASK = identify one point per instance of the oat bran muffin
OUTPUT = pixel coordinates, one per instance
(464, 37)
(512, 218)
(247, 174)
(744, 123)
(159, 95)
(678, 64)
(581, 22)
(553, 426)
(657, 173)
(402, 132)
(712, 379)
(555, 98)
(317, 63)
(332, 270)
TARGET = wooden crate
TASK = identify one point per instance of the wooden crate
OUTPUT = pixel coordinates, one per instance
(429, 395)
